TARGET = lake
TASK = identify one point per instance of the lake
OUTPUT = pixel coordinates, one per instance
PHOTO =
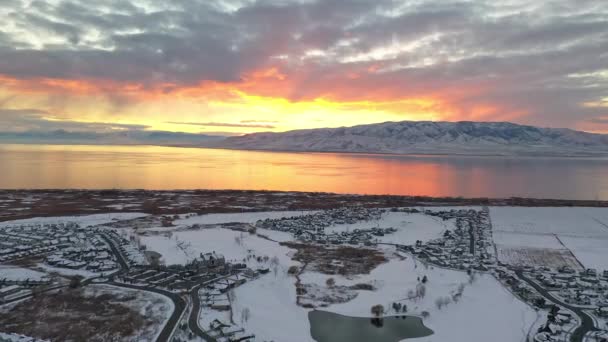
(162, 168)
(331, 327)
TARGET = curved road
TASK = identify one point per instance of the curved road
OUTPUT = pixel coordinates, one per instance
(178, 302)
(586, 321)
(193, 319)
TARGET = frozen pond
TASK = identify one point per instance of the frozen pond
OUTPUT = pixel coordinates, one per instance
(332, 327)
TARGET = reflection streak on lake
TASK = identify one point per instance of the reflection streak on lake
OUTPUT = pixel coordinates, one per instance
(150, 167)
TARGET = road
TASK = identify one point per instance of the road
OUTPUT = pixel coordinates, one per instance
(586, 321)
(193, 319)
(119, 257)
(178, 302)
(471, 238)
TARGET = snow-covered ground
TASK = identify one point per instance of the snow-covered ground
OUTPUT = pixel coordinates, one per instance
(155, 308)
(19, 273)
(591, 252)
(83, 220)
(579, 222)
(274, 314)
(66, 272)
(272, 303)
(219, 240)
(247, 217)
(561, 233)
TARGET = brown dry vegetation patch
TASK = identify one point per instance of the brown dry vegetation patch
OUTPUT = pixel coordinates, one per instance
(28, 262)
(344, 260)
(72, 316)
(36, 203)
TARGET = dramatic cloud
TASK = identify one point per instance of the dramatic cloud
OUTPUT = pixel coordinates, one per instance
(221, 124)
(37, 120)
(251, 65)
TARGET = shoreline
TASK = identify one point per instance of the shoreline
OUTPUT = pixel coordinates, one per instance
(412, 154)
(29, 203)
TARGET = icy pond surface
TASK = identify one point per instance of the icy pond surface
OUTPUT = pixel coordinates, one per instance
(331, 327)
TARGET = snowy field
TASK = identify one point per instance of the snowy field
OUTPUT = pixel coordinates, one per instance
(562, 221)
(410, 227)
(591, 252)
(184, 246)
(552, 236)
(19, 273)
(83, 220)
(248, 217)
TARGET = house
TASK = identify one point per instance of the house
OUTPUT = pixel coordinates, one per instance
(602, 311)
(9, 290)
(212, 260)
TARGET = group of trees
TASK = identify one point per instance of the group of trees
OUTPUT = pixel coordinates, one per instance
(377, 310)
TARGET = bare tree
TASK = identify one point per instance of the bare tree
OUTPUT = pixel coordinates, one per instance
(245, 314)
(274, 264)
(420, 291)
(442, 301)
(411, 294)
(472, 277)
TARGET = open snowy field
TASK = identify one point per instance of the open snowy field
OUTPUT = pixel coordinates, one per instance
(575, 237)
(83, 220)
(274, 314)
(562, 221)
(247, 217)
(591, 252)
(19, 273)
(183, 246)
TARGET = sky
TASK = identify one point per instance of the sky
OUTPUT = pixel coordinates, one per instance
(234, 67)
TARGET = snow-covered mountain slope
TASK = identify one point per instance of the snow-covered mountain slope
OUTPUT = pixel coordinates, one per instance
(425, 137)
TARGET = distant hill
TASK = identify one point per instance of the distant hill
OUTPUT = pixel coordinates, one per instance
(426, 137)
(133, 137)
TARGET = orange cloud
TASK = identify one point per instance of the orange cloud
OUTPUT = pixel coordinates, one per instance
(266, 94)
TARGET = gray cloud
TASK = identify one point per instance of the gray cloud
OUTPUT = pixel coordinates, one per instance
(39, 120)
(541, 58)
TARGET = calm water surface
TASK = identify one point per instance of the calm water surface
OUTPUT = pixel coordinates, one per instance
(150, 167)
(332, 327)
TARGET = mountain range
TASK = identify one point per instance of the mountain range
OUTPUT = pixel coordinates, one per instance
(127, 137)
(428, 137)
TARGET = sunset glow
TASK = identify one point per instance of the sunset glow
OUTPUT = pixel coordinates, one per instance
(330, 64)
